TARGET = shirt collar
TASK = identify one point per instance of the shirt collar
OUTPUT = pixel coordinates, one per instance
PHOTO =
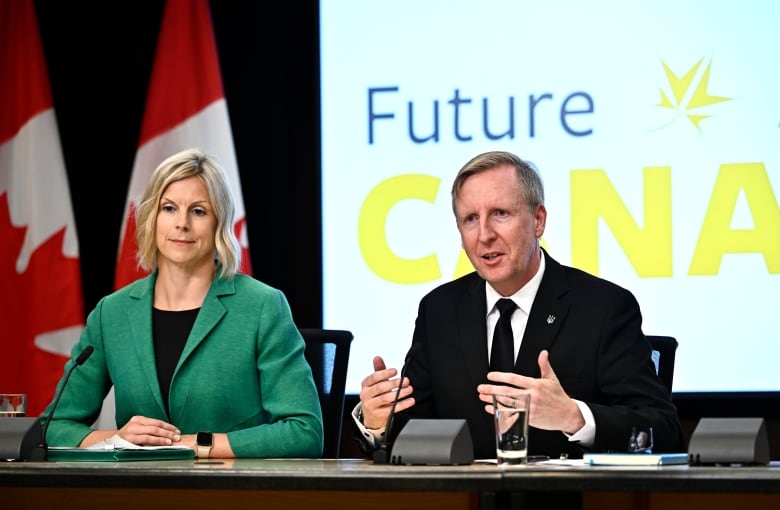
(524, 297)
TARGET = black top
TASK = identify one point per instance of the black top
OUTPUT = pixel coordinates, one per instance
(170, 331)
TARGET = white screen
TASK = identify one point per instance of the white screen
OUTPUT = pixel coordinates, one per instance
(655, 126)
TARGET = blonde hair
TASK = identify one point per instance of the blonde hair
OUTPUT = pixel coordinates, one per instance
(527, 173)
(184, 164)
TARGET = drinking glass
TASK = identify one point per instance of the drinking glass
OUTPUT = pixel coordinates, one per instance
(13, 405)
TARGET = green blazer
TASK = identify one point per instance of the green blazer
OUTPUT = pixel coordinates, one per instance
(242, 371)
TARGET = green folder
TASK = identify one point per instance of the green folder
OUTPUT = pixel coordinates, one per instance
(64, 454)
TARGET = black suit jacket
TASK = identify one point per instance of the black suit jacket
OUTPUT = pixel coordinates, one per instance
(592, 330)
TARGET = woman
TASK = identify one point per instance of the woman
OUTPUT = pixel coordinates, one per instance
(196, 352)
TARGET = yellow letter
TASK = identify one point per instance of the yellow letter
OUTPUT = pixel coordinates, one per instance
(649, 249)
(463, 266)
(371, 229)
(717, 237)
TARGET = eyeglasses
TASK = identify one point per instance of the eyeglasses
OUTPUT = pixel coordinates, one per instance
(641, 441)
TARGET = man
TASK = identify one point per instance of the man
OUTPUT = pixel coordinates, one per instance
(579, 349)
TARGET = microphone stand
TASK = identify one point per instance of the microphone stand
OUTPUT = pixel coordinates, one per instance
(382, 454)
(41, 451)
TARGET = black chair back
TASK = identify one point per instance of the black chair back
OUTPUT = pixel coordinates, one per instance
(327, 351)
(664, 350)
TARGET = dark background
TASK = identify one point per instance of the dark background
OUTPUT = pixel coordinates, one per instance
(100, 54)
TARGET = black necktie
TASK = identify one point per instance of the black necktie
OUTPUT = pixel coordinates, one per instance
(502, 354)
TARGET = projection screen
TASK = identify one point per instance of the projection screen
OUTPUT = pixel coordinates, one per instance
(655, 126)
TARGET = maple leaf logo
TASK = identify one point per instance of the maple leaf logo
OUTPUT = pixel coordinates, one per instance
(689, 93)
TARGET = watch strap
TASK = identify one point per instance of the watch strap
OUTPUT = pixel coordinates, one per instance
(204, 452)
(204, 447)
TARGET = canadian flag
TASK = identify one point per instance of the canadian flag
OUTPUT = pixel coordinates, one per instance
(185, 107)
(41, 303)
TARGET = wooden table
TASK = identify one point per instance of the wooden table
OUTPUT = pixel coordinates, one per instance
(356, 483)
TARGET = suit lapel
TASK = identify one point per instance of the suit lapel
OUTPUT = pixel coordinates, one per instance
(140, 324)
(139, 318)
(548, 313)
(211, 312)
(473, 333)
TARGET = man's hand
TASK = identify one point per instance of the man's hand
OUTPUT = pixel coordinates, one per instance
(551, 407)
(377, 393)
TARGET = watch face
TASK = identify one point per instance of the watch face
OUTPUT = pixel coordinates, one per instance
(205, 438)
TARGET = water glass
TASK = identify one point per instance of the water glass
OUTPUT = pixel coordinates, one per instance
(13, 405)
(511, 419)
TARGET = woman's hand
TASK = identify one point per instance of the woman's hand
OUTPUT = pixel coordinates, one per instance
(145, 431)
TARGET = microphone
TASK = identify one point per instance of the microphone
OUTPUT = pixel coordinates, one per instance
(42, 450)
(382, 453)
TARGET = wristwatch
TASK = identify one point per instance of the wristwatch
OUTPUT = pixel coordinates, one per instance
(205, 442)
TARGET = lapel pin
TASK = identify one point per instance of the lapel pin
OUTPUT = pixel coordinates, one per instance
(550, 319)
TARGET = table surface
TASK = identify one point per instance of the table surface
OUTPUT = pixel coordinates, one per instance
(361, 474)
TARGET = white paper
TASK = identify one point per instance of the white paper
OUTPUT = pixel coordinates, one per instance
(117, 443)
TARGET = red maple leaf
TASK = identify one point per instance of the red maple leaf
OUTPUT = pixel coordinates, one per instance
(45, 298)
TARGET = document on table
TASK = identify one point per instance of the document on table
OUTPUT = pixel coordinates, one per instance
(635, 459)
(605, 459)
(117, 449)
